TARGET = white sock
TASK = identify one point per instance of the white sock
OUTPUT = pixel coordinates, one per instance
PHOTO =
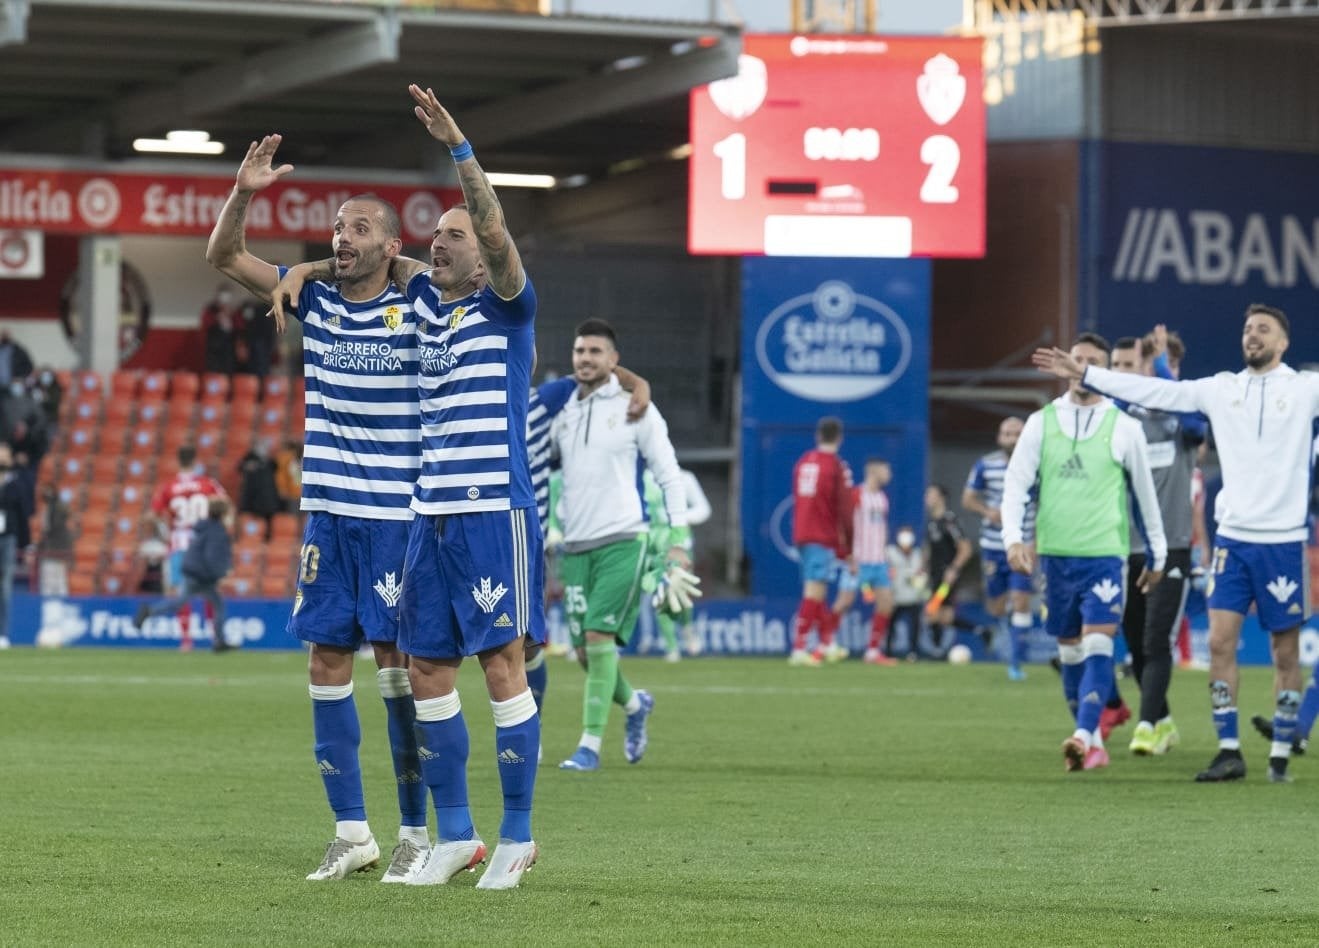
(355, 831)
(1084, 736)
(417, 834)
(590, 742)
(633, 704)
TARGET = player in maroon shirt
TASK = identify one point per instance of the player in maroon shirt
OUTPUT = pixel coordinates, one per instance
(822, 534)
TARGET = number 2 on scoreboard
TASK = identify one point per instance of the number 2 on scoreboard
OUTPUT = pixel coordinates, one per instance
(943, 156)
(732, 155)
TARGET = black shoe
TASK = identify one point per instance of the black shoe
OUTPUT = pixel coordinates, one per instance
(1278, 770)
(1228, 765)
(1265, 727)
(143, 612)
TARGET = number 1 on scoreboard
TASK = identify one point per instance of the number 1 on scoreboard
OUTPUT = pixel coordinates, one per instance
(732, 155)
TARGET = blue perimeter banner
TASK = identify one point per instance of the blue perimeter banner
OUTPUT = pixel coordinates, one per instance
(844, 337)
(753, 626)
(1190, 237)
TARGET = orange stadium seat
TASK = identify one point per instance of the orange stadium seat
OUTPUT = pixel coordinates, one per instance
(87, 410)
(144, 441)
(136, 470)
(285, 526)
(212, 413)
(105, 469)
(184, 386)
(74, 469)
(274, 586)
(101, 493)
(82, 437)
(208, 440)
(246, 388)
(124, 384)
(215, 387)
(134, 496)
(276, 390)
(152, 413)
(88, 382)
(154, 386)
(118, 411)
(239, 587)
(82, 580)
(71, 494)
(65, 378)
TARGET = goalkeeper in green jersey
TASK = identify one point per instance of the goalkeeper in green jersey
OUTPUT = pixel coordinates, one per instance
(671, 600)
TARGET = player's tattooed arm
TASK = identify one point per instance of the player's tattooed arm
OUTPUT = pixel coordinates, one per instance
(503, 265)
(403, 269)
(289, 288)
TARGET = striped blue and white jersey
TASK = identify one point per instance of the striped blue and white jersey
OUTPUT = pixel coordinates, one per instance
(472, 353)
(547, 400)
(986, 479)
(362, 447)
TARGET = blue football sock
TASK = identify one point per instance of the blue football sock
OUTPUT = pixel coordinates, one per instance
(1284, 718)
(1309, 710)
(517, 742)
(442, 745)
(338, 734)
(1096, 680)
(1070, 668)
(1225, 715)
(1019, 628)
(401, 716)
(538, 676)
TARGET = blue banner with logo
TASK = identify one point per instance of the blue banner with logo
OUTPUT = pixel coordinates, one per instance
(1191, 236)
(54, 621)
(846, 337)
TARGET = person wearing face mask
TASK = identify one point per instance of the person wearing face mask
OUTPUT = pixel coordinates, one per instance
(48, 393)
(55, 549)
(1082, 451)
(911, 587)
(15, 362)
(1263, 423)
(15, 509)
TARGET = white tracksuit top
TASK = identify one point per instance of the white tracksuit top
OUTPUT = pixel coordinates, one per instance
(1263, 429)
(601, 453)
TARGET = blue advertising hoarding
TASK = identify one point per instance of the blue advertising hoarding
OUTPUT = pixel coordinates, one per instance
(844, 337)
(1191, 236)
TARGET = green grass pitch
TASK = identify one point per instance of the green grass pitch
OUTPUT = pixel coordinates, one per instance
(154, 798)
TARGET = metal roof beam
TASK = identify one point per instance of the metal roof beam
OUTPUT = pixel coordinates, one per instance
(567, 103)
(989, 16)
(264, 75)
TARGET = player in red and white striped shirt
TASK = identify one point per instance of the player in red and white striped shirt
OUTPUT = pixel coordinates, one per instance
(870, 533)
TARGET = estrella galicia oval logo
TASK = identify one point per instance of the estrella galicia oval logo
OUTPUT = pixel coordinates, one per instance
(833, 345)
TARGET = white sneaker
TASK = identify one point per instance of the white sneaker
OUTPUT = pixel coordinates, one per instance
(801, 658)
(507, 865)
(406, 859)
(672, 656)
(835, 653)
(344, 857)
(4, 641)
(446, 860)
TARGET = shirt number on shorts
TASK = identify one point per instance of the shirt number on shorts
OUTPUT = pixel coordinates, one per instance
(311, 563)
(574, 599)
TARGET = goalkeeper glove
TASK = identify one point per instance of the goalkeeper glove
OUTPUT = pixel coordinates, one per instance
(676, 590)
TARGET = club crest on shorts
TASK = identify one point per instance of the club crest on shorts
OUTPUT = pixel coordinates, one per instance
(393, 318)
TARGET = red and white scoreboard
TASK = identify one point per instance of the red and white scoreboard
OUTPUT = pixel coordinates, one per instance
(841, 146)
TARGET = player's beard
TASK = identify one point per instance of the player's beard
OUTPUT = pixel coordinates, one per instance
(1260, 358)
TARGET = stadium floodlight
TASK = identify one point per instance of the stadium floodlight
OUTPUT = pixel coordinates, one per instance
(184, 142)
(505, 180)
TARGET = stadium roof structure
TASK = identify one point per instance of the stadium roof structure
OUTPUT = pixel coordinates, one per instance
(561, 95)
(984, 13)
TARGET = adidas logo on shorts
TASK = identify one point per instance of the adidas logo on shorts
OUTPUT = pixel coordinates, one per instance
(503, 622)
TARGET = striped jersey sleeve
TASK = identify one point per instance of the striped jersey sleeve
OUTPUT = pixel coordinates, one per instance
(987, 480)
(362, 446)
(547, 400)
(472, 353)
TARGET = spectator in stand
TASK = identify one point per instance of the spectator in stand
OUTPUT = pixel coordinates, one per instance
(152, 551)
(23, 424)
(46, 391)
(208, 559)
(221, 320)
(288, 475)
(15, 509)
(256, 339)
(15, 363)
(55, 549)
(257, 493)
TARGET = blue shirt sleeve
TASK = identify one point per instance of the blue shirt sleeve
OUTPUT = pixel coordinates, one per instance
(519, 311)
(418, 286)
(305, 299)
(976, 479)
(555, 393)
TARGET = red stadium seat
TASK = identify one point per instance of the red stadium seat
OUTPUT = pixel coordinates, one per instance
(87, 410)
(74, 469)
(136, 472)
(215, 387)
(246, 388)
(276, 390)
(124, 384)
(82, 438)
(154, 386)
(212, 413)
(183, 386)
(152, 413)
(88, 382)
(285, 526)
(144, 441)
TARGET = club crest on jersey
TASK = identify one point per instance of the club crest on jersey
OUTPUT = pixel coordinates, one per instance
(456, 317)
(393, 318)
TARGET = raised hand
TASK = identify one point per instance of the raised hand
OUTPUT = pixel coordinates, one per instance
(1057, 362)
(257, 170)
(434, 116)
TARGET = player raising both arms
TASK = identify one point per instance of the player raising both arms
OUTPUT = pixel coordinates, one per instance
(360, 462)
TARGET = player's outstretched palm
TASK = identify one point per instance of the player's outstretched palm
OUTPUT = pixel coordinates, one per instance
(1057, 362)
(257, 170)
(434, 116)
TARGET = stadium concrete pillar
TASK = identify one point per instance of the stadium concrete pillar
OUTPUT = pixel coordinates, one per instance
(97, 339)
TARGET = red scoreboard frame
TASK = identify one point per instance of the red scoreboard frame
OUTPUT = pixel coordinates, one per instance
(841, 146)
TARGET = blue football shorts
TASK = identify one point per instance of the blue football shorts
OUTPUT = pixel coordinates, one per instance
(1083, 590)
(1273, 576)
